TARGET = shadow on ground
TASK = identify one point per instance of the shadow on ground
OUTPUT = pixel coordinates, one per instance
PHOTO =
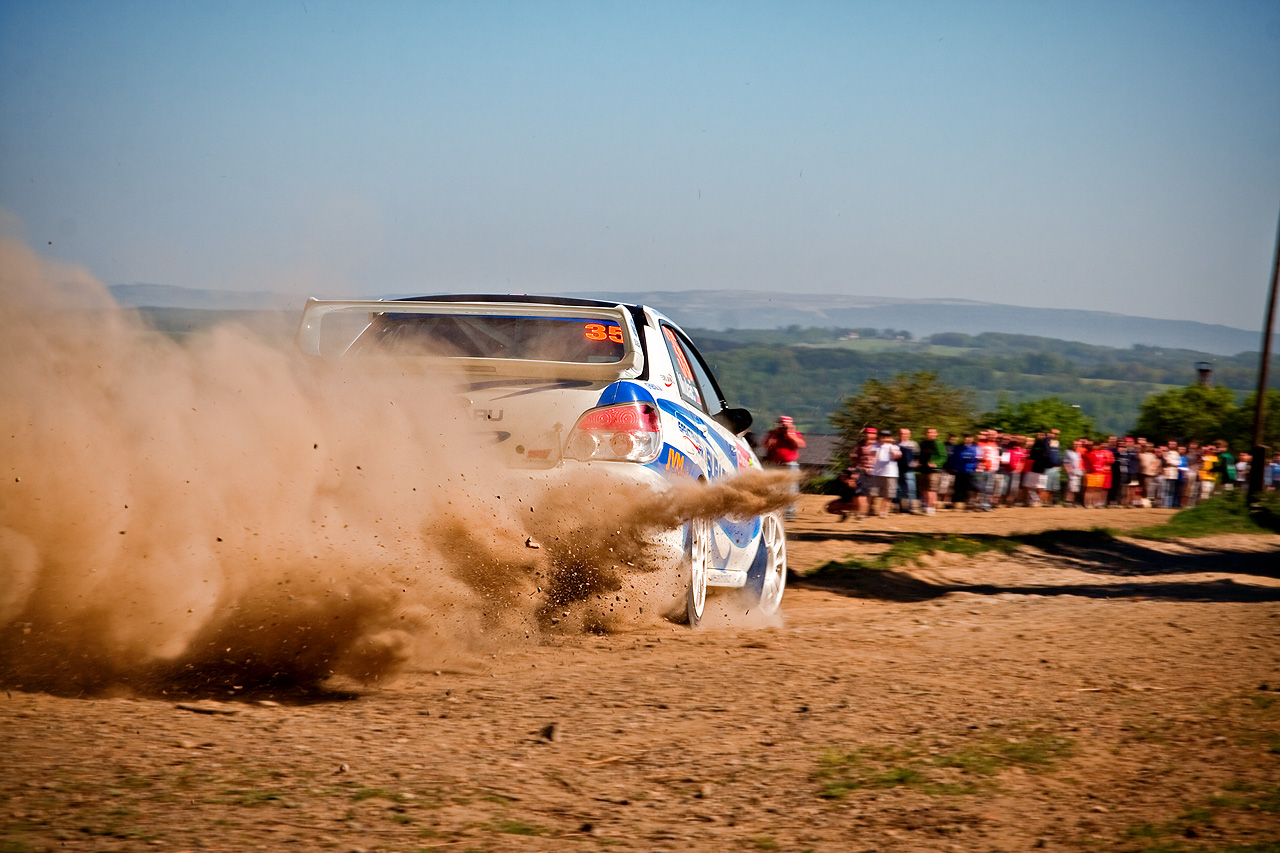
(1094, 552)
(1099, 552)
(893, 585)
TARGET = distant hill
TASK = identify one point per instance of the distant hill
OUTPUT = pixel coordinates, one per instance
(168, 296)
(722, 309)
(731, 309)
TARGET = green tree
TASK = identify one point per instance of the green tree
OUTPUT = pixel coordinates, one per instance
(1032, 416)
(951, 339)
(912, 400)
(1193, 413)
(1238, 426)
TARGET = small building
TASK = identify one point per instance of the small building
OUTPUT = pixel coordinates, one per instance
(816, 455)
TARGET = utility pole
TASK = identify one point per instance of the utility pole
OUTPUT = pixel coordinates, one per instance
(1261, 454)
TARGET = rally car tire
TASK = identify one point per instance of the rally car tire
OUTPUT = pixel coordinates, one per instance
(767, 577)
(697, 556)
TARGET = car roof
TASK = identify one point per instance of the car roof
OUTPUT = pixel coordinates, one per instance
(509, 297)
(637, 311)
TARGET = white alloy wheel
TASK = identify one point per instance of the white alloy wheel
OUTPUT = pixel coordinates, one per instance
(767, 579)
(774, 541)
(698, 554)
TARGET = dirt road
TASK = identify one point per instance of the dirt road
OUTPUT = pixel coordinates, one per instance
(1124, 697)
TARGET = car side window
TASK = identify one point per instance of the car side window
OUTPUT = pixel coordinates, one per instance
(686, 381)
(695, 383)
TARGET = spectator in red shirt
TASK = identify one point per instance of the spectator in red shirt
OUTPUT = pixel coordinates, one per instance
(1097, 475)
(1012, 461)
(782, 446)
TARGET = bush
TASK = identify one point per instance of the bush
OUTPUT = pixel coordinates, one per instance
(1229, 512)
(823, 484)
(1266, 511)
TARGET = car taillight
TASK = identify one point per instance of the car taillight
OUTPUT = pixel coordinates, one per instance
(630, 432)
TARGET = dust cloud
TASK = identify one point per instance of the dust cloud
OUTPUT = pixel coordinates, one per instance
(223, 513)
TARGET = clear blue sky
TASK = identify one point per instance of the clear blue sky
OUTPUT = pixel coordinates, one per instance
(1120, 156)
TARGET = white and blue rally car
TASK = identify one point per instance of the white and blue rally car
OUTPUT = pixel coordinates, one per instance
(576, 382)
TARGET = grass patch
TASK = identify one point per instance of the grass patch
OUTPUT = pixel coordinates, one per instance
(1261, 706)
(518, 827)
(1226, 513)
(1263, 701)
(1261, 799)
(132, 781)
(966, 769)
(361, 794)
(909, 550)
(1197, 818)
(252, 797)
(872, 768)
(1251, 720)
(1037, 750)
(115, 831)
(1144, 830)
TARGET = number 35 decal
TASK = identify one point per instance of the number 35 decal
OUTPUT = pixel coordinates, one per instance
(601, 332)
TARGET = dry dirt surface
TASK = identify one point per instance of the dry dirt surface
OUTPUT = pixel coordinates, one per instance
(1121, 696)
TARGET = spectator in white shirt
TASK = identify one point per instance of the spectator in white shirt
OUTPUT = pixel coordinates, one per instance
(884, 473)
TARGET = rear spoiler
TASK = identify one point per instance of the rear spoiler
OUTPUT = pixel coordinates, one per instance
(353, 317)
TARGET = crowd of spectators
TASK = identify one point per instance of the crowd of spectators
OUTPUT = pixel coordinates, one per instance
(988, 469)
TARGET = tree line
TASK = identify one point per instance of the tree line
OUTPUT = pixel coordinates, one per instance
(809, 373)
(921, 400)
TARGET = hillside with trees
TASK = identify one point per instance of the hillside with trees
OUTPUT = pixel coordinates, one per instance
(808, 373)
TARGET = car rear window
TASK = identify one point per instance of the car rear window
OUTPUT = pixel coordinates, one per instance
(563, 339)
